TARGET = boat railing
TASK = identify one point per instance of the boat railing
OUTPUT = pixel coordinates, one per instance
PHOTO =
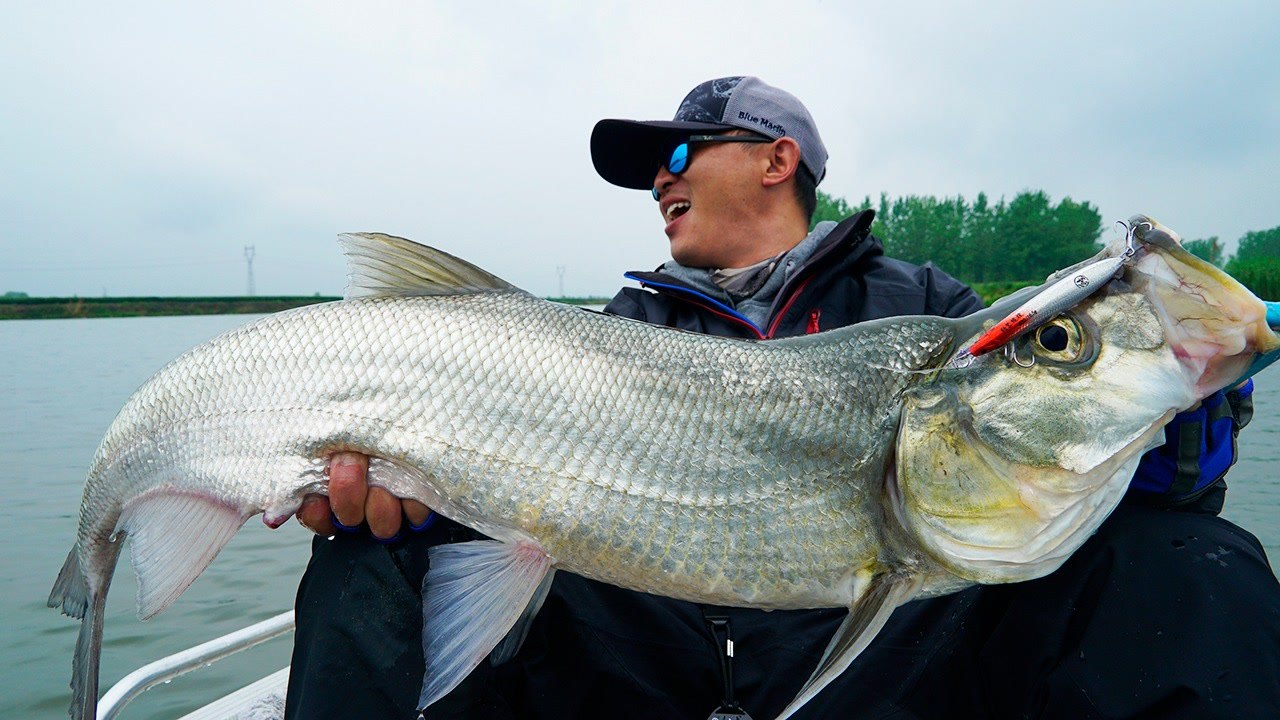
(181, 663)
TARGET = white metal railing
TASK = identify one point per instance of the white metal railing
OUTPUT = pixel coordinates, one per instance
(167, 668)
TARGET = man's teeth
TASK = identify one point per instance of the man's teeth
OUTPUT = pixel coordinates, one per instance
(676, 209)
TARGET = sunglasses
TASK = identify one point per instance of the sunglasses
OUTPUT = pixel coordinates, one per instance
(679, 160)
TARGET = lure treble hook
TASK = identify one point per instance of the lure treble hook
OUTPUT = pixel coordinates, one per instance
(1130, 236)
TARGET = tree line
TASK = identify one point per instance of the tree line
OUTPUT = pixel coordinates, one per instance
(1023, 240)
(1256, 262)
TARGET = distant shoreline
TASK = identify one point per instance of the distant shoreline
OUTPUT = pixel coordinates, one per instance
(53, 308)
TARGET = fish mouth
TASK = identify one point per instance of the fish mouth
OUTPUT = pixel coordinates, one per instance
(1216, 327)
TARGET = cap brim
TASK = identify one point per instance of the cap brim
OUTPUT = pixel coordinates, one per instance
(629, 153)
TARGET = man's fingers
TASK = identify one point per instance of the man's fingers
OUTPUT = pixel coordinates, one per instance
(382, 512)
(353, 502)
(314, 515)
(348, 488)
(416, 512)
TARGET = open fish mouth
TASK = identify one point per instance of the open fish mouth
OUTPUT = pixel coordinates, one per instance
(1214, 325)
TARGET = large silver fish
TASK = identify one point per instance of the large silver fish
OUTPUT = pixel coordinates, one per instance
(853, 468)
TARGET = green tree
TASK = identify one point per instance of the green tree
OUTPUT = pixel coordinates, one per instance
(1020, 235)
(1259, 244)
(1206, 249)
(1024, 239)
(1034, 237)
(1260, 274)
(1072, 236)
(982, 238)
(922, 229)
(830, 208)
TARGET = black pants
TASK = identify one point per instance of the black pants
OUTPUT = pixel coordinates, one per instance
(1160, 615)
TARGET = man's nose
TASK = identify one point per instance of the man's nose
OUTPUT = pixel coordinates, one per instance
(662, 182)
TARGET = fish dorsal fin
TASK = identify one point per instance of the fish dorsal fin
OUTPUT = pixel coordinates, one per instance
(388, 265)
(866, 616)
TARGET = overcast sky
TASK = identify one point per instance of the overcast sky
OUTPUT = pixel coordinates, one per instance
(143, 145)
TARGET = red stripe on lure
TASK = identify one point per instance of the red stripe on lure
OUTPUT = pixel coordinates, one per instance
(1003, 331)
(1046, 305)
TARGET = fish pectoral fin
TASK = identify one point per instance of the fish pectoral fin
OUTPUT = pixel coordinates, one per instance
(172, 538)
(866, 616)
(388, 265)
(510, 644)
(474, 593)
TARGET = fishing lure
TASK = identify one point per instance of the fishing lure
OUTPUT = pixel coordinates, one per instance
(1063, 295)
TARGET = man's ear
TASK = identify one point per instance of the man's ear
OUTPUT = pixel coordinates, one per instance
(784, 160)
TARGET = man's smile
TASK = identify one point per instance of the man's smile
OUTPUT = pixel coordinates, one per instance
(676, 209)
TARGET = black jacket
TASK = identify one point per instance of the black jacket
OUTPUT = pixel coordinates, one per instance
(1160, 614)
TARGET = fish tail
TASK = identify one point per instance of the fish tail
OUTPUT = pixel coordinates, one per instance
(84, 667)
(71, 594)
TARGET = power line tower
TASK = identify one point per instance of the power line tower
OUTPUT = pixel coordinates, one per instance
(560, 272)
(248, 258)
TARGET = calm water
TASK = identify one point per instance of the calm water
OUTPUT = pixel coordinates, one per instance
(61, 383)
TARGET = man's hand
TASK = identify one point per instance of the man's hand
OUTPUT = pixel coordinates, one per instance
(353, 502)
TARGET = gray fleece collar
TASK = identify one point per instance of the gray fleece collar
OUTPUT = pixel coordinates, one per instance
(756, 306)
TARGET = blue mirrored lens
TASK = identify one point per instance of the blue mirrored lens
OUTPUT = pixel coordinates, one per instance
(676, 164)
(679, 159)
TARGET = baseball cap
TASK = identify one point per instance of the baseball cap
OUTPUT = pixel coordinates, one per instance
(628, 153)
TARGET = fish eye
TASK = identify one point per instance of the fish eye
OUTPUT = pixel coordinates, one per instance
(1053, 338)
(1060, 340)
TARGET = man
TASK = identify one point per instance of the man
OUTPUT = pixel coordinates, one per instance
(1167, 612)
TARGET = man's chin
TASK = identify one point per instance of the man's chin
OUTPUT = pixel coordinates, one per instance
(680, 249)
(686, 258)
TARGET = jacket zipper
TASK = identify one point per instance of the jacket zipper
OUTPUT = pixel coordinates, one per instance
(795, 294)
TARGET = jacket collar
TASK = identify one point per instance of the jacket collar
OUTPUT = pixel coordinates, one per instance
(850, 241)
